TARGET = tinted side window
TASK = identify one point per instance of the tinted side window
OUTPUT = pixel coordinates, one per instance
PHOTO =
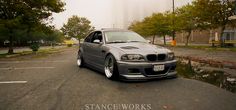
(97, 35)
(89, 37)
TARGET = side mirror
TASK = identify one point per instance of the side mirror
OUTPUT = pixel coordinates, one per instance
(97, 41)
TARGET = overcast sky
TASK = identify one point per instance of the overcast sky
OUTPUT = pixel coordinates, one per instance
(99, 12)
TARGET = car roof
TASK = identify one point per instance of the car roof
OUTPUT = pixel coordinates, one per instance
(112, 29)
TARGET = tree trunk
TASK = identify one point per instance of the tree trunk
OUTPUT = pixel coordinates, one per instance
(187, 38)
(221, 36)
(153, 39)
(28, 33)
(164, 38)
(79, 42)
(212, 37)
(10, 50)
(52, 44)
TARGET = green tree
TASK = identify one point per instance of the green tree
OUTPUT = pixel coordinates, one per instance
(15, 14)
(158, 24)
(55, 36)
(77, 27)
(138, 27)
(214, 14)
(186, 20)
(144, 28)
(161, 24)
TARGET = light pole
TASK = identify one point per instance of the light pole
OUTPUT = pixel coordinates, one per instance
(173, 23)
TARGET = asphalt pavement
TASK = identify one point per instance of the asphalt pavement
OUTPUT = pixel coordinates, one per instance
(54, 82)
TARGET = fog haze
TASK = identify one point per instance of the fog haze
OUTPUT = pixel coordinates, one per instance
(113, 13)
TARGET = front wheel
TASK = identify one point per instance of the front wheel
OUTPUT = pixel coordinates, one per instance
(110, 68)
(80, 61)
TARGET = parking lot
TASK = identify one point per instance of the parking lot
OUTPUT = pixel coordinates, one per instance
(54, 82)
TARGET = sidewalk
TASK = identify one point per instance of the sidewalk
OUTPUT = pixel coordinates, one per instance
(21, 49)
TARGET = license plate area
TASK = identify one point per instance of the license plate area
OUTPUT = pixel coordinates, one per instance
(157, 68)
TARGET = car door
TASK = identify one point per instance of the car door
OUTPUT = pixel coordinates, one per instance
(97, 51)
(87, 48)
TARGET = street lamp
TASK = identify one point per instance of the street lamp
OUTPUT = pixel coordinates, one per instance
(173, 23)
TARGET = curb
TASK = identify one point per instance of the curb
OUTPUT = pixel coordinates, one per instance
(211, 62)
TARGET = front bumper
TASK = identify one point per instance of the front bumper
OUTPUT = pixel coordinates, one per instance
(144, 70)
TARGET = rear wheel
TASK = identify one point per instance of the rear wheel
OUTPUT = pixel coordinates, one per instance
(110, 68)
(80, 61)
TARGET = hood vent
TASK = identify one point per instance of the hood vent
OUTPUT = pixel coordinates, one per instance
(129, 47)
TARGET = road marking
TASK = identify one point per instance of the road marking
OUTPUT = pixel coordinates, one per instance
(5, 68)
(55, 61)
(13, 82)
(12, 68)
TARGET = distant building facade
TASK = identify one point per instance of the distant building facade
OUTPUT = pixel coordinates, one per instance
(211, 36)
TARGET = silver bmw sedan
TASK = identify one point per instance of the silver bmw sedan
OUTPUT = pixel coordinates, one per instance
(125, 54)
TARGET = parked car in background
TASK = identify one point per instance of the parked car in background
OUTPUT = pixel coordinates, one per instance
(125, 54)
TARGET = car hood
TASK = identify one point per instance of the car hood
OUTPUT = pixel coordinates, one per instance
(139, 48)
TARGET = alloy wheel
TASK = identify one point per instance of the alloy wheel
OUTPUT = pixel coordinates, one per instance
(109, 67)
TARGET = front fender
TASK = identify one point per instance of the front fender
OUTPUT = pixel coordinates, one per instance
(117, 53)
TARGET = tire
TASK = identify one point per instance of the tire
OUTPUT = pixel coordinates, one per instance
(80, 60)
(110, 68)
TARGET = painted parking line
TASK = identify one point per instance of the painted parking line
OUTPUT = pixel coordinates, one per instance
(55, 61)
(25, 68)
(13, 82)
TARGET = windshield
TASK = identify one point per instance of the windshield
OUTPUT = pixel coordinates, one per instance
(123, 37)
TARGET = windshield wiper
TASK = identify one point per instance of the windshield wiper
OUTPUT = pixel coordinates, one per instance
(135, 41)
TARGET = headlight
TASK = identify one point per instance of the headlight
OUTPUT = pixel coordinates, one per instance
(132, 57)
(171, 56)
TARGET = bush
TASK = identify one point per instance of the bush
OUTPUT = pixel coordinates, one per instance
(34, 47)
(69, 45)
